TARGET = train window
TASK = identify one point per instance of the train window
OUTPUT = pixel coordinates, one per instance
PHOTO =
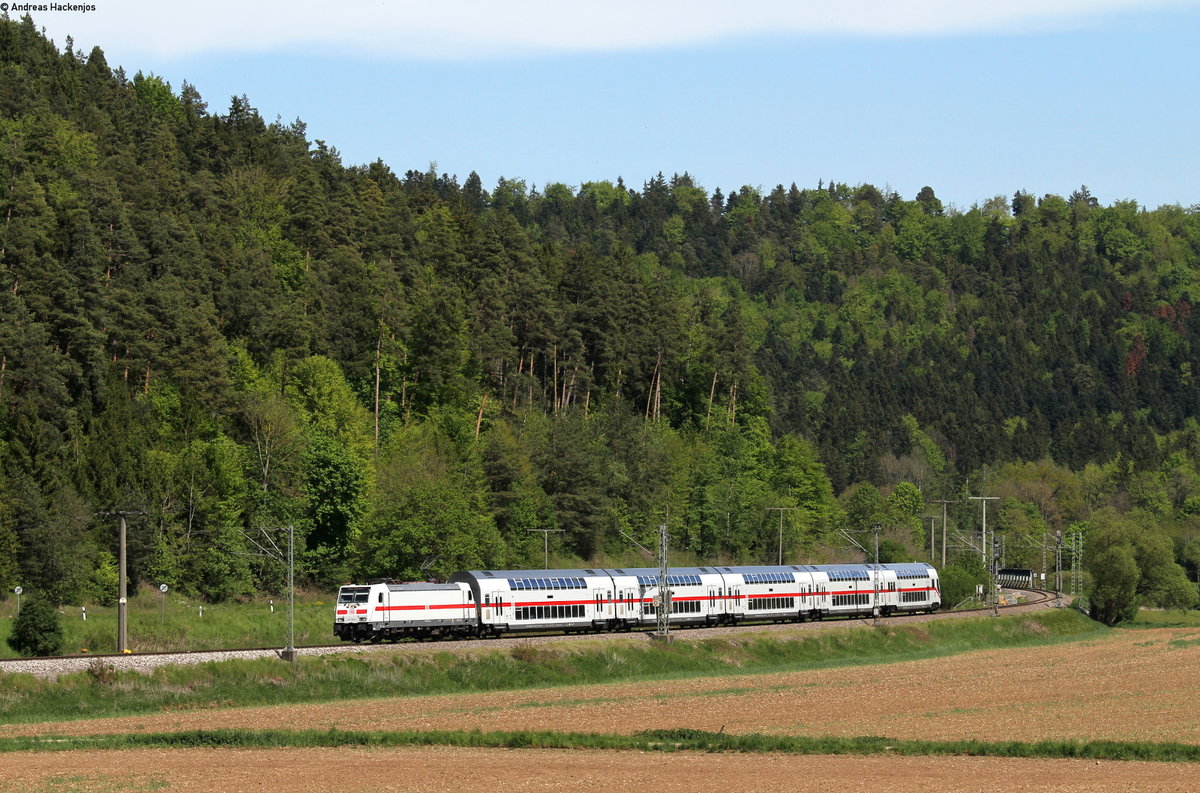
(380, 597)
(354, 595)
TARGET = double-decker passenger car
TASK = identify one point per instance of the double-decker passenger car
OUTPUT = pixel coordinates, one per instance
(516, 600)
(493, 602)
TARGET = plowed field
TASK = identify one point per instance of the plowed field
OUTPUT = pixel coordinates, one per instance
(492, 770)
(1131, 685)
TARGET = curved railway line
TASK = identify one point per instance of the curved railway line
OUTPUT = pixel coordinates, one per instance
(56, 665)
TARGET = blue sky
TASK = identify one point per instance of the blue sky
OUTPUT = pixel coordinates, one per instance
(974, 100)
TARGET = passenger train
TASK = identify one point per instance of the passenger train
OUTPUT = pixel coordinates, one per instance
(495, 602)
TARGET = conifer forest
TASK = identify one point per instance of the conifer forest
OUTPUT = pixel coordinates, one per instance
(210, 319)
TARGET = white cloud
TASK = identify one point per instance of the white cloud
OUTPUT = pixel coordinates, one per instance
(456, 29)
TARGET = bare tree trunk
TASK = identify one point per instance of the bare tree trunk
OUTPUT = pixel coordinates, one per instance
(517, 380)
(479, 418)
(658, 391)
(587, 400)
(569, 390)
(733, 389)
(554, 380)
(191, 507)
(712, 394)
(655, 379)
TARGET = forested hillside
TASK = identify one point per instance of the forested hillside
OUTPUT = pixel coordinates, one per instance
(209, 318)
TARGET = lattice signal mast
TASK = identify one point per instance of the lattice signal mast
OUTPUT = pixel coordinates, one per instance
(664, 592)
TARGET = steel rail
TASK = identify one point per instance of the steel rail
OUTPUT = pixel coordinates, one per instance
(1043, 597)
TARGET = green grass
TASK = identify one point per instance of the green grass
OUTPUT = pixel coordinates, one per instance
(1147, 618)
(92, 783)
(649, 741)
(181, 626)
(103, 691)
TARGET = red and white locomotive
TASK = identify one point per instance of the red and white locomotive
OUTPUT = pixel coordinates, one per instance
(493, 602)
(399, 611)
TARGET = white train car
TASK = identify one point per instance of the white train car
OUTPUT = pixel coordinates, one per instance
(917, 587)
(529, 600)
(851, 590)
(698, 594)
(392, 611)
(815, 591)
(774, 593)
(493, 602)
(627, 599)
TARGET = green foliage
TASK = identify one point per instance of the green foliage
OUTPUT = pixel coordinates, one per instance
(1132, 562)
(104, 583)
(1113, 597)
(427, 516)
(36, 630)
(864, 507)
(961, 580)
(957, 586)
(213, 320)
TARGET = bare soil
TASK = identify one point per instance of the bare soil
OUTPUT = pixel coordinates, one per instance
(518, 771)
(1132, 685)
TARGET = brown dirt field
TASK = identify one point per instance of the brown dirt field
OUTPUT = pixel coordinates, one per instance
(518, 771)
(1133, 685)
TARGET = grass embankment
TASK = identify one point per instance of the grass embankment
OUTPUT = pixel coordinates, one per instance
(102, 691)
(1147, 618)
(653, 741)
(178, 624)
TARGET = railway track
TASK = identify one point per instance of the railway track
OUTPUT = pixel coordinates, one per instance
(56, 665)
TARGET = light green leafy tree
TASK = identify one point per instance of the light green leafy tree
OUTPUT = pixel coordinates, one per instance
(427, 515)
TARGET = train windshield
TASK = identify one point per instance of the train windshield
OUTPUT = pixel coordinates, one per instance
(354, 594)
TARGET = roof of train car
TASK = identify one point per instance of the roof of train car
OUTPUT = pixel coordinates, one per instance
(653, 571)
(419, 586)
(768, 568)
(485, 575)
(804, 568)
